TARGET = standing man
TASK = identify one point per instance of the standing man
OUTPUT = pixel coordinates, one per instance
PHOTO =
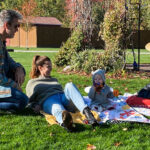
(12, 74)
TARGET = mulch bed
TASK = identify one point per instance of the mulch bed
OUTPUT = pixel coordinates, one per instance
(129, 73)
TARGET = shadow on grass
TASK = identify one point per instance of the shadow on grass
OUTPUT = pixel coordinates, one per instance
(80, 127)
(83, 127)
(25, 112)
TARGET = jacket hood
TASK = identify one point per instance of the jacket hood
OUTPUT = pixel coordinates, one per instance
(100, 72)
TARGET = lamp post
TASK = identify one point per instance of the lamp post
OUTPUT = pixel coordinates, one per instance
(139, 33)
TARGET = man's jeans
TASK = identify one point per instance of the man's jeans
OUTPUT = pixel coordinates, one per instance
(17, 101)
(69, 100)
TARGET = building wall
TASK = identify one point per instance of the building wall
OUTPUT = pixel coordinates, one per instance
(51, 36)
(145, 38)
(54, 36)
(20, 39)
(32, 38)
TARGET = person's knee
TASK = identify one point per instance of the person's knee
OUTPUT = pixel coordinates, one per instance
(58, 115)
(69, 85)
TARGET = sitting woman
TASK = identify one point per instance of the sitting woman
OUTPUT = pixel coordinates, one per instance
(46, 93)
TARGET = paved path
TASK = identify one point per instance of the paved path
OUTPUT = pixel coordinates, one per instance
(143, 67)
(27, 51)
(144, 53)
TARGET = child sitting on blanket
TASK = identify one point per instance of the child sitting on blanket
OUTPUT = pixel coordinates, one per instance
(100, 92)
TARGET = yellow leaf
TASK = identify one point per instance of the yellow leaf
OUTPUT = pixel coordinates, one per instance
(117, 144)
(51, 134)
(90, 147)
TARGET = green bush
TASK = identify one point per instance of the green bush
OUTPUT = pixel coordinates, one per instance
(112, 32)
(87, 61)
(70, 48)
(90, 60)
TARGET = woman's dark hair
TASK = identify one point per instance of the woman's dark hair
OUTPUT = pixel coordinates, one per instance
(37, 61)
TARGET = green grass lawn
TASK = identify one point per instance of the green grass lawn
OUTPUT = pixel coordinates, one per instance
(28, 131)
(144, 56)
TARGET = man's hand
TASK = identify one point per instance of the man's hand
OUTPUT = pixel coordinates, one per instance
(19, 88)
(19, 76)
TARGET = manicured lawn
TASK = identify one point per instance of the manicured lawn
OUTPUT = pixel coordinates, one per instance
(28, 131)
(144, 56)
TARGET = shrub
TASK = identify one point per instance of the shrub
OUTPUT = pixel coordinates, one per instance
(90, 60)
(72, 46)
(112, 32)
(87, 61)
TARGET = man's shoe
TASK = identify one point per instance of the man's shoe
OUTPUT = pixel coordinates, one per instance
(90, 117)
(67, 121)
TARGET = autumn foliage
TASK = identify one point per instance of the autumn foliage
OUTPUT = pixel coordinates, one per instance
(28, 11)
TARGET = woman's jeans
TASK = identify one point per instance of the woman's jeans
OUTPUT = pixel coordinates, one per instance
(17, 101)
(57, 103)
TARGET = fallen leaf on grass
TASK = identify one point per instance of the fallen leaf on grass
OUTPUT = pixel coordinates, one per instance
(126, 89)
(125, 129)
(144, 77)
(111, 82)
(51, 134)
(90, 147)
(79, 86)
(117, 144)
(94, 130)
(135, 76)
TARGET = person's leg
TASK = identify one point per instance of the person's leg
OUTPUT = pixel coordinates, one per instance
(17, 101)
(8, 106)
(52, 105)
(71, 93)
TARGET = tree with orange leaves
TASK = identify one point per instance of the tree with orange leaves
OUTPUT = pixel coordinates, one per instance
(80, 12)
(28, 10)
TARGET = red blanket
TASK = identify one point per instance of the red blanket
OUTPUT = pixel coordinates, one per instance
(135, 101)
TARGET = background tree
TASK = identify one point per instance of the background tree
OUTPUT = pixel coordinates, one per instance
(113, 32)
(8, 4)
(47, 8)
(52, 8)
(80, 13)
(28, 9)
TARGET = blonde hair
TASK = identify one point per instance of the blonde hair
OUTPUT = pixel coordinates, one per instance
(37, 61)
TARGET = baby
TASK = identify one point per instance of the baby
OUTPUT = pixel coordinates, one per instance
(100, 92)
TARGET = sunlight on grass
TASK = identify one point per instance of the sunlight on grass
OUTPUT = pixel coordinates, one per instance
(30, 131)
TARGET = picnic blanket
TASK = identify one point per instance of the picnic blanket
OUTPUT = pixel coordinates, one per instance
(121, 111)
